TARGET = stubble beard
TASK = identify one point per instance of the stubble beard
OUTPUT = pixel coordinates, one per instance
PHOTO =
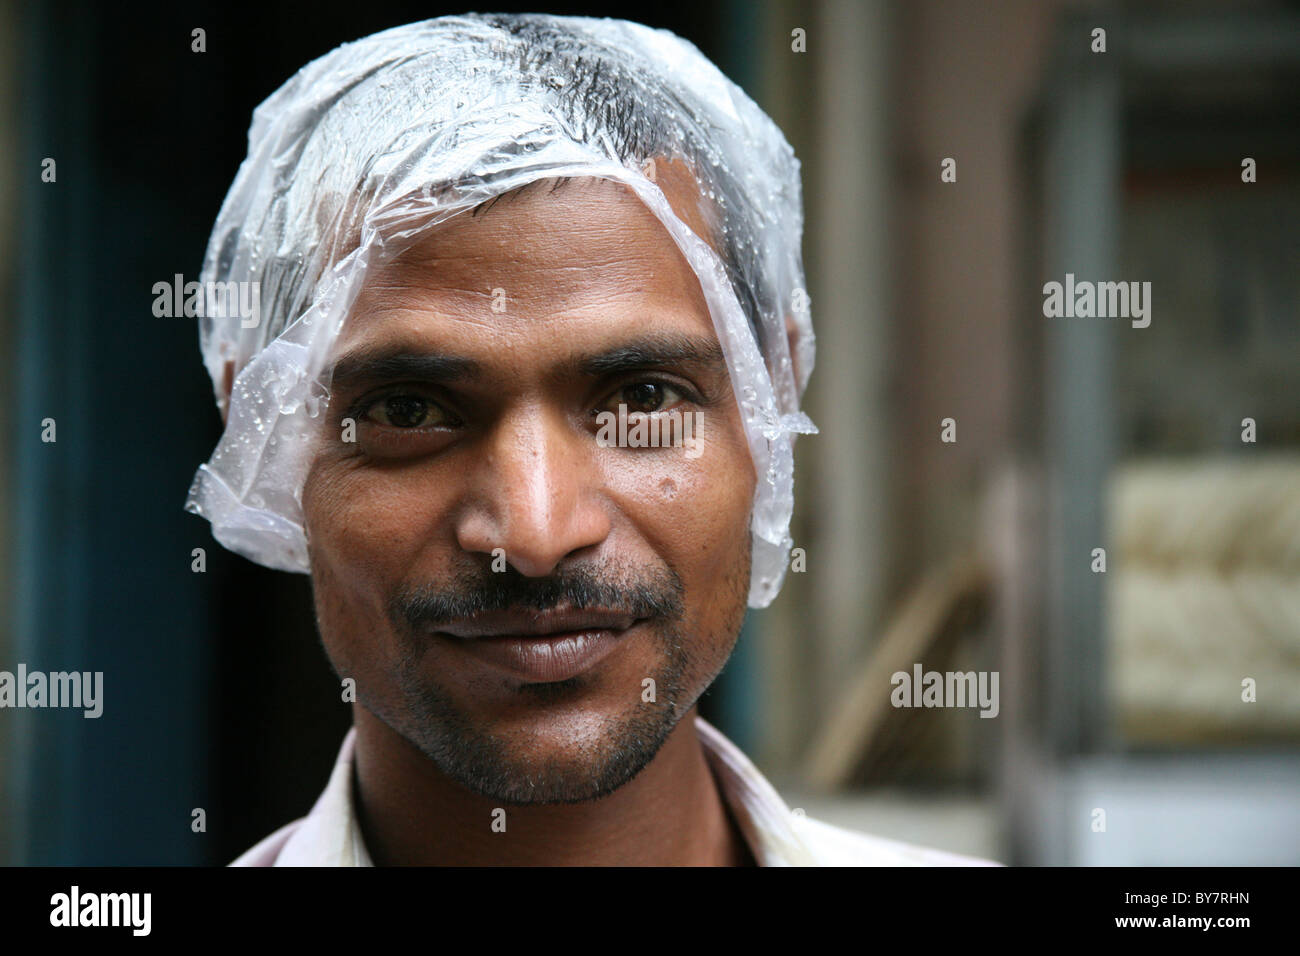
(501, 766)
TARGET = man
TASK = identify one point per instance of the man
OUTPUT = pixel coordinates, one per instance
(499, 259)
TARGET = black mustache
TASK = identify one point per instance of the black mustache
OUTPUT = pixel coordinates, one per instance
(657, 595)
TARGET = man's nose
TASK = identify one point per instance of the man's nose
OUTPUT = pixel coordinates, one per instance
(535, 494)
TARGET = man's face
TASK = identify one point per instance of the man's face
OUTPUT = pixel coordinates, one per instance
(502, 584)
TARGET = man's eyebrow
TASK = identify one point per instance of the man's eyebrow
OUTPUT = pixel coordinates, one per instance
(658, 352)
(386, 364)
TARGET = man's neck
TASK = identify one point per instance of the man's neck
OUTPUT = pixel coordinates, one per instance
(670, 814)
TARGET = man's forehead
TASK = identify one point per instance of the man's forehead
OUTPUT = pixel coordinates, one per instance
(674, 177)
(552, 242)
(588, 250)
(466, 329)
(533, 207)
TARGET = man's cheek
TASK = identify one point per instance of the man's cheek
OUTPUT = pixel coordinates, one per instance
(363, 516)
(708, 498)
(339, 616)
(718, 467)
(356, 553)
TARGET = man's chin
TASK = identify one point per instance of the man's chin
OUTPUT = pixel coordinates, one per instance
(569, 762)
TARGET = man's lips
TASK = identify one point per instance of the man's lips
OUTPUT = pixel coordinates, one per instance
(537, 623)
(540, 647)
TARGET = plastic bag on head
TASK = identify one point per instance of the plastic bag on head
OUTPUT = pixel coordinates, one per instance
(382, 139)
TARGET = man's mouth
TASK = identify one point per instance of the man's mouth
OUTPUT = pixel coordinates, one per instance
(540, 647)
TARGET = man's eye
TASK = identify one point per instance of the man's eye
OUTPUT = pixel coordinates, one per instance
(407, 411)
(645, 397)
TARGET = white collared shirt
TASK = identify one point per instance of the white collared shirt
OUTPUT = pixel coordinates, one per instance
(331, 836)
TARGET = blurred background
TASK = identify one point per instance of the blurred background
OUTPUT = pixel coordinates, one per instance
(1120, 690)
